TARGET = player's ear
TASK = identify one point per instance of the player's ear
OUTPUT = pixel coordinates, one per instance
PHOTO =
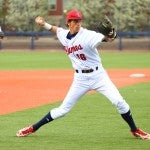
(67, 23)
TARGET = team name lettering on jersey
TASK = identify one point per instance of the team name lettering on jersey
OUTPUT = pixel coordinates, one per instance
(73, 49)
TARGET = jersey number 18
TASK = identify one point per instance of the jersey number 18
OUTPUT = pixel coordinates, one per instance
(81, 56)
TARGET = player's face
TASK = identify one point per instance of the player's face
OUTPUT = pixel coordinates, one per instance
(74, 25)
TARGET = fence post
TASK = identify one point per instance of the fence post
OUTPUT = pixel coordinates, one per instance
(149, 42)
(32, 41)
(120, 43)
(0, 45)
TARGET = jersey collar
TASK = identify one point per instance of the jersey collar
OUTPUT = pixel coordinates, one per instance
(70, 36)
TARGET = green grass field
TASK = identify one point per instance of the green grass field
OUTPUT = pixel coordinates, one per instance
(47, 60)
(93, 124)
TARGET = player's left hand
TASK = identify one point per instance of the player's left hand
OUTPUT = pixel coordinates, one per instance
(105, 27)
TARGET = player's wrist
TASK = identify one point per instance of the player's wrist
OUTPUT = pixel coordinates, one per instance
(47, 26)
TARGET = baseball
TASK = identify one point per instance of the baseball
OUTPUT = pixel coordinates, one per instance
(40, 21)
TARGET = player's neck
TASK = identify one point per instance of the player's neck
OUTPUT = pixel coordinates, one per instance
(74, 30)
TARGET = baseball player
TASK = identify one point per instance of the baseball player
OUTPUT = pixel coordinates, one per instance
(1, 37)
(80, 45)
(1, 34)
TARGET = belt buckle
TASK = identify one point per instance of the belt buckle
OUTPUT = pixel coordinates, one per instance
(87, 71)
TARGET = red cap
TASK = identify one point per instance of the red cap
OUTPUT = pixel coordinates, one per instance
(73, 14)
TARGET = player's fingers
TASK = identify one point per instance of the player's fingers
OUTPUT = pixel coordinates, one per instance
(40, 21)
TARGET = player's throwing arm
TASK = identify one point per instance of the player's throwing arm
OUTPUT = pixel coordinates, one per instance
(41, 22)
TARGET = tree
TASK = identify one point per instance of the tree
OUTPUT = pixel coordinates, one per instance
(127, 15)
(132, 15)
(4, 8)
(22, 13)
(92, 10)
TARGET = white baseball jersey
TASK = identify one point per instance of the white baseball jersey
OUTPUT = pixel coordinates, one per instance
(82, 48)
(84, 56)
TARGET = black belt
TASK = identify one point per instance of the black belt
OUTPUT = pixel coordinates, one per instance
(87, 70)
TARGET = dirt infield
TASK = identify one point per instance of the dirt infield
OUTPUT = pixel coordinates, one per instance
(26, 89)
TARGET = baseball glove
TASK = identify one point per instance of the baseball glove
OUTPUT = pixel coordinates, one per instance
(105, 27)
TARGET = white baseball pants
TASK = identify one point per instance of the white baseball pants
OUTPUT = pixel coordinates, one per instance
(84, 82)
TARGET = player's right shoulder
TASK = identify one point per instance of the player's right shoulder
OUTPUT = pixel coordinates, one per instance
(61, 34)
(62, 31)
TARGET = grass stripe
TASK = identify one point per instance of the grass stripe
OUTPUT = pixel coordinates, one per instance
(59, 60)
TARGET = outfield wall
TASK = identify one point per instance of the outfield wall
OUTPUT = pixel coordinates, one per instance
(46, 41)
